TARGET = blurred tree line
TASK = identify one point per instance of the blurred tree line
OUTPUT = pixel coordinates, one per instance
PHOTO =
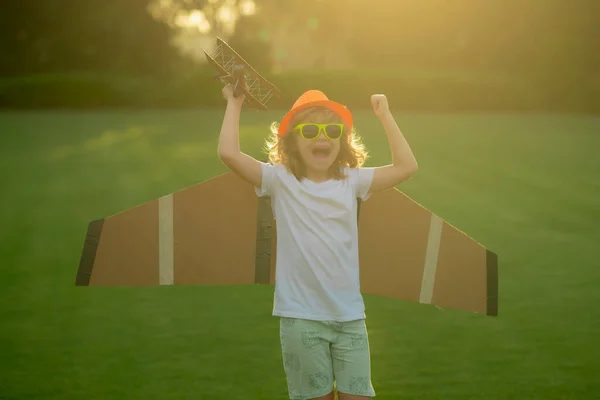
(57, 36)
(553, 45)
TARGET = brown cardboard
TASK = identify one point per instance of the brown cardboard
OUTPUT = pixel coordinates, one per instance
(215, 232)
(392, 234)
(127, 248)
(221, 233)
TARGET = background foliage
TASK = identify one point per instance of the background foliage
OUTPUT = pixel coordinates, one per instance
(510, 55)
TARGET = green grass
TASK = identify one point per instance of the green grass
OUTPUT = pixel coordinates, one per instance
(526, 187)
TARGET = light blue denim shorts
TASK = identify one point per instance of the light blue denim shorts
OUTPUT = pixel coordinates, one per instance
(320, 354)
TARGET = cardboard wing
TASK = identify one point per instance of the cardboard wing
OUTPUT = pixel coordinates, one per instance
(220, 233)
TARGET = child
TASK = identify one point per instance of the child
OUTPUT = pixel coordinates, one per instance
(314, 178)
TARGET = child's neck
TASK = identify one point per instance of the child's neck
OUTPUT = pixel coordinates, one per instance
(318, 176)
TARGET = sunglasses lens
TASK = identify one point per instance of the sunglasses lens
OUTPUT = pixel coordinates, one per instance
(334, 131)
(310, 131)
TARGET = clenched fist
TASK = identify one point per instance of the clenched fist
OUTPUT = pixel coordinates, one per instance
(380, 105)
(229, 96)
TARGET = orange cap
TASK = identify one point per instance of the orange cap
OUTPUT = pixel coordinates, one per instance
(315, 98)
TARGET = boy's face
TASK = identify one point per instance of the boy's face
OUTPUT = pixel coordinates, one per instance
(318, 146)
(320, 153)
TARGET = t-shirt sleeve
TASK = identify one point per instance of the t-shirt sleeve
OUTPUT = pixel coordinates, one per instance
(268, 181)
(361, 179)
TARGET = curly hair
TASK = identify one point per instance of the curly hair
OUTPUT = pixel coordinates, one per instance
(284, 150)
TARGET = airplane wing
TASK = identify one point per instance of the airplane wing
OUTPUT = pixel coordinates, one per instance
(220, 233)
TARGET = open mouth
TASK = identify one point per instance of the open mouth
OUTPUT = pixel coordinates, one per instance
(321, 152)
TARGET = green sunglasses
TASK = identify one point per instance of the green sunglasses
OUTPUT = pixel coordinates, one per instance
(311, 131)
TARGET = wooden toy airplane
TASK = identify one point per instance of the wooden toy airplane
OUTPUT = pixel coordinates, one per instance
(233, 69)
(220, 233)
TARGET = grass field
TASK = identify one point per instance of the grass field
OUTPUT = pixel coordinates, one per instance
(528, 188)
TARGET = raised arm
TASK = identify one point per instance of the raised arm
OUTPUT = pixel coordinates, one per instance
(404, 164)
(230, 154)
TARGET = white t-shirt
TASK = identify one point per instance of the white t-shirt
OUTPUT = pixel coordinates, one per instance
(317, 271)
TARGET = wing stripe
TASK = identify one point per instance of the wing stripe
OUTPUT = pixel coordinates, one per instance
(165, 239)
(431, 259)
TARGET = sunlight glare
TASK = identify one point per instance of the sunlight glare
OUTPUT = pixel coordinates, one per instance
(195, 19)
(204, 26)
(226, 14)
(247, 7)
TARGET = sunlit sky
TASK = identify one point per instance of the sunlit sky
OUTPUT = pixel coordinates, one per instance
(226, 14)
(196, 29)
(194, 25)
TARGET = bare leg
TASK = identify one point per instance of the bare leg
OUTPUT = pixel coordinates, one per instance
(344, 396)
(326, 397)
